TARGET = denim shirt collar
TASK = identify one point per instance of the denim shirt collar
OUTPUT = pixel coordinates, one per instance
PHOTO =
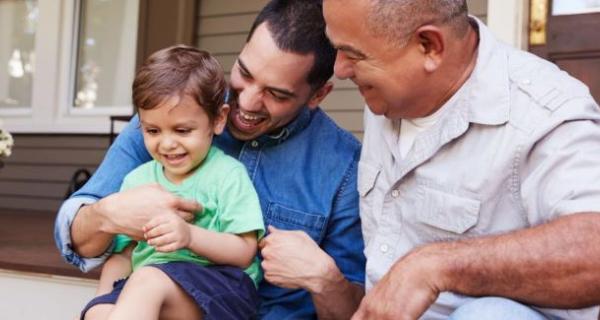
(297, 125)
(294, 127)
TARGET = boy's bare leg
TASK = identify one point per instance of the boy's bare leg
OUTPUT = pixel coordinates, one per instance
(149, 292)
(99, 312)
(118, 266)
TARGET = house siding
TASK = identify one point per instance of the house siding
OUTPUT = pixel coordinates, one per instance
(37, 174)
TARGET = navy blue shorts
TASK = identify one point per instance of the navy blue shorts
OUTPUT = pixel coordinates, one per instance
(221, 292)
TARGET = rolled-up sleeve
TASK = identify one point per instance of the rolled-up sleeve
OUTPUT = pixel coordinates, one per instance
(62, 235)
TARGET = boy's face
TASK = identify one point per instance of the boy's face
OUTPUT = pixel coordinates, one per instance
(269, 87)
(178, 134)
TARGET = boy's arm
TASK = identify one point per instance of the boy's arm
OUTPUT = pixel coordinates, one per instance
(224, 248)
(240, 220)
(168, 233)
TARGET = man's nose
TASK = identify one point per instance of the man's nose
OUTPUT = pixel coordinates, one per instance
(251, 99)
(343, 67)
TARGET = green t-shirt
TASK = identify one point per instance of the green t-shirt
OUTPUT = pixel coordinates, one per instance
(221, 184)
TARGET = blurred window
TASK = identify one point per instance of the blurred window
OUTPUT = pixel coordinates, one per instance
(565, 7)
(18, 24)
(106, 51)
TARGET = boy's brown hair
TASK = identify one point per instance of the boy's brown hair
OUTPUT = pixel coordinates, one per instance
(180, 70)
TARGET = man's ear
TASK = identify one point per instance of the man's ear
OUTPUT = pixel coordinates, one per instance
(319, 95)
(432, 45)
(221, 119)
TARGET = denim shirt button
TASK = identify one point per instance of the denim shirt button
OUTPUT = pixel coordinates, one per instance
(395, 193)
(254, 143)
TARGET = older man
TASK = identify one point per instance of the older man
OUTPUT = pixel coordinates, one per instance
(479, 174)
(302, 165)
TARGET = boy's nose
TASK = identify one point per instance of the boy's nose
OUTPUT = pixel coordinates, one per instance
(168, 143)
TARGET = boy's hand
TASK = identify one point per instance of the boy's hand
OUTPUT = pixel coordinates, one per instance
(167, 233)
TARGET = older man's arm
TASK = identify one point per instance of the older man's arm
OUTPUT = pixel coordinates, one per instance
(551, 265)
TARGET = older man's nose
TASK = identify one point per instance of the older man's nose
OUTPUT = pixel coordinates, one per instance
(343, 67)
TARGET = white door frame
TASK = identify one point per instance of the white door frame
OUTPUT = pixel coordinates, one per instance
(508, 20)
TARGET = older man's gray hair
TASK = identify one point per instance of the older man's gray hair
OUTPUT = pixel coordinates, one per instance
(396, 20)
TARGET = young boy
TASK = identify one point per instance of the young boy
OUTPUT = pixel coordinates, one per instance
(207, 268)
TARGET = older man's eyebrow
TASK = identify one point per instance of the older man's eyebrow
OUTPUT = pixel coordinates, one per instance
(352, 51)
(281, 91)
(346, 48)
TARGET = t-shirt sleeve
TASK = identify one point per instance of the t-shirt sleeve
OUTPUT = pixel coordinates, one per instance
(238, 204)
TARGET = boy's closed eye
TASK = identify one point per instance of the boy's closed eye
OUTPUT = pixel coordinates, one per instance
(183, 131)
(151, 131)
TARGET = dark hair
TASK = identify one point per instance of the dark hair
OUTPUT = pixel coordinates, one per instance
(180, 70)
(298, 26)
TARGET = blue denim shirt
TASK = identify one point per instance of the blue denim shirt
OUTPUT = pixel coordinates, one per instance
(305, 177)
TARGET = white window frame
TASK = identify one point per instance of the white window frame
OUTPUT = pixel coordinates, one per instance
(53, 86)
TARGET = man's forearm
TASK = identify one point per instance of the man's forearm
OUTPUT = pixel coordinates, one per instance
(552, 265)
(88, 238)
(336, 297)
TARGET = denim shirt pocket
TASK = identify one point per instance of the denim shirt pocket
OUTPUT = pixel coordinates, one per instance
(449, 212)
(285, 218)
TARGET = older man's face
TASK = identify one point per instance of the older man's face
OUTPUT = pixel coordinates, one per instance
(269, 87)
(389, 78)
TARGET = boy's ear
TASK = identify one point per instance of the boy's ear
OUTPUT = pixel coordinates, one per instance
(221, 119)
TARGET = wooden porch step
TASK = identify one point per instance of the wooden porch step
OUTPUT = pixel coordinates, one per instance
(27, 244)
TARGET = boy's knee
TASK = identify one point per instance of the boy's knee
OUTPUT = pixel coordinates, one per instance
(148, 275)
(150, 278)
(495, 308)
(98, 312)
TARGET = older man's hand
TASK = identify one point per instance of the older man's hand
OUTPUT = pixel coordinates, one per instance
(407, 290)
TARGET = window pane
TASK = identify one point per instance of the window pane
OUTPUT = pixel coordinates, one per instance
(106, 53)
(18, 22)
(562, 7)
